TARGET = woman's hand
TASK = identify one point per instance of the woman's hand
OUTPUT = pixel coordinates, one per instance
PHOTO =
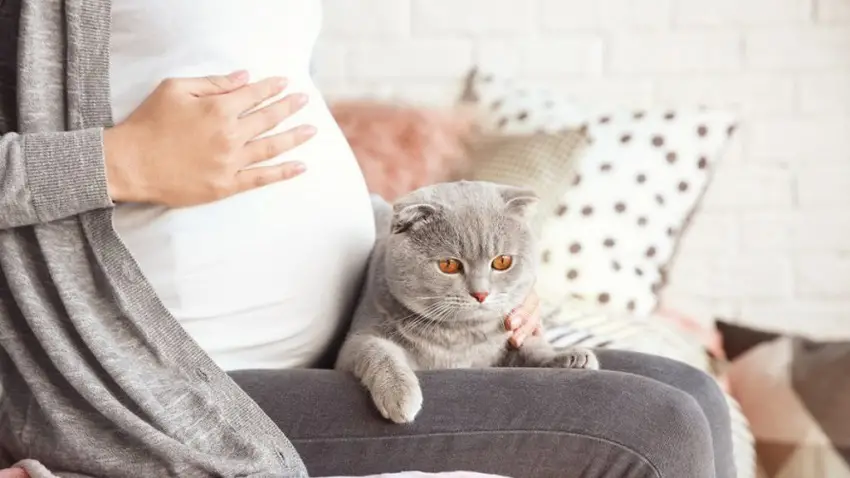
(524, 320)
(191, 140)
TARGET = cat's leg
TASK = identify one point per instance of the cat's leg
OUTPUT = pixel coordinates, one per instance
(383, 368)
(536, 351)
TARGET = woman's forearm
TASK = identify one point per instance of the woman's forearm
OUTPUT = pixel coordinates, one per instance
(50, 176)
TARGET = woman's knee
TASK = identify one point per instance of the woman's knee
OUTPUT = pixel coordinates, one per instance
(657, 424)
(707, 392)
(678, 435)
(696, 383)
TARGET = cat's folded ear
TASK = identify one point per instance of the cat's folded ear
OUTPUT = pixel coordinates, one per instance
(521, 202)
(407, 216)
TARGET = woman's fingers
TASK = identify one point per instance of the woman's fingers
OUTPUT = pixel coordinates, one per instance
(210, 85)
(525, 321)
(263, 149)
(526, 330)
(248, 97)
(259, 177)
(268, 117)
(519, 315)
(267, 148)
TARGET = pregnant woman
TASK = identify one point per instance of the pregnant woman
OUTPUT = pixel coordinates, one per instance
(167, 283)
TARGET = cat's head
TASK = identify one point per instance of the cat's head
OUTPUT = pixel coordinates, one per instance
(463, 250)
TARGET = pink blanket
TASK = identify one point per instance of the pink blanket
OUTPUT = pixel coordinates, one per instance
(13, 473)
(416, 474)
(18, 473)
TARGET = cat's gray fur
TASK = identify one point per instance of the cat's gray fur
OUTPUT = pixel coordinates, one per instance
(414, 317)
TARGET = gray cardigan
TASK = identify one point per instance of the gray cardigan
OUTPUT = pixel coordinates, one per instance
(99, 379)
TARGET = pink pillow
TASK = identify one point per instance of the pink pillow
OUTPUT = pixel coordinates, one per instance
(400, 147)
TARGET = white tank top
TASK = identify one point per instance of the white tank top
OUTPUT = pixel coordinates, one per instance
(262, 279)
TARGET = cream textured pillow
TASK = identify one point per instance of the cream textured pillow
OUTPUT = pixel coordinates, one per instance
(614, 231)
(544, 163)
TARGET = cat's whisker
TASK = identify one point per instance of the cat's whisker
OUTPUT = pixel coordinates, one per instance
(418, 315)
(435, 322)
(429, 320)
(424, 315)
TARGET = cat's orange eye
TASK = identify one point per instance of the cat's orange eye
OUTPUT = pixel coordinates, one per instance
(450, 266)
(502, 263)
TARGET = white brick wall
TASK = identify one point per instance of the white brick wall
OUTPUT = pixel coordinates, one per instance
(771, 244)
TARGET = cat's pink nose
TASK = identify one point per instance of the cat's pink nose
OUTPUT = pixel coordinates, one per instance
(479, 296)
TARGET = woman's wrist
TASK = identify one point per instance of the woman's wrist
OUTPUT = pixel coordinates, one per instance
(118, 152)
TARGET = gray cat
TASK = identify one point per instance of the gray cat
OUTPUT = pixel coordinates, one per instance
(451, 262)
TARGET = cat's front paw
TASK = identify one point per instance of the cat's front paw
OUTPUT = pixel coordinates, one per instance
(576, 357)
(399, 400)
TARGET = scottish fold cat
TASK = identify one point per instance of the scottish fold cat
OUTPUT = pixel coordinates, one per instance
(451, 262)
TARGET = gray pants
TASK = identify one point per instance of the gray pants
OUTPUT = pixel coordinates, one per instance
(642, 417)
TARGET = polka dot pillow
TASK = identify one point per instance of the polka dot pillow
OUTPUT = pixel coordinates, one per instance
(613, 234)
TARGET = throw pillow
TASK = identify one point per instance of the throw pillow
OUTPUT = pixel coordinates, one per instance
(402, 147)
(542, 162)
(794, 392)
(612, 235)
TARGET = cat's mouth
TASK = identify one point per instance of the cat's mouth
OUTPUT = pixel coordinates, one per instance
(458, 309)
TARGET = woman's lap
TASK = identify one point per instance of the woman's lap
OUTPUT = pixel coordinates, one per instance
(521, 422)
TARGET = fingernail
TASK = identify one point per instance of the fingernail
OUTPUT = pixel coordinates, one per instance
(299, 167)
(240, 75)
(511, 323)
(300, 99)
(306, 130)
(280, 84)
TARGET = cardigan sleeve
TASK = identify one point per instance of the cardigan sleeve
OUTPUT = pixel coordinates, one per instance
(50, 176)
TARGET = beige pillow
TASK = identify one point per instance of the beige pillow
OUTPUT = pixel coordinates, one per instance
(542, 162)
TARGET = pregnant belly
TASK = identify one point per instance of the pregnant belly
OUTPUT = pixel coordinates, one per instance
(274, 265)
